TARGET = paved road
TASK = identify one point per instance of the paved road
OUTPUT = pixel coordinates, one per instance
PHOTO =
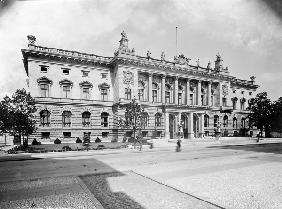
(198, 177)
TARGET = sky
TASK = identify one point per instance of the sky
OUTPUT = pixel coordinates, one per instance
(247, 34)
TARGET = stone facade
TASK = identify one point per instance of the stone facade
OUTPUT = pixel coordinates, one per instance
(75, 94)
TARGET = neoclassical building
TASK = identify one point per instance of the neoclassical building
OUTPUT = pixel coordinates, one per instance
(76, 94)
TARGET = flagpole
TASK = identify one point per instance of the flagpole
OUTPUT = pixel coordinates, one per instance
(176, 52)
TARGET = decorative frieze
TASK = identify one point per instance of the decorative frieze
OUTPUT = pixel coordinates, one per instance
(128, 78)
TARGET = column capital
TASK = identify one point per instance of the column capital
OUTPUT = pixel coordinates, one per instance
(150, 74)
(163, 75)
(176, 77)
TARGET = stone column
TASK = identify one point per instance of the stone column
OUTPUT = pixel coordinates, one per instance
(176, 90)
(150, 99)
(167, 126)
(220, 93)
(190, 126)
(209, 93)
(201, 125)
(163, 89)
(199, 93)
(188, 91)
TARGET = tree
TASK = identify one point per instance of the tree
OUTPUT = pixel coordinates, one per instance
(261, 112)
(276, 122)
(134, 117)
(17, 117)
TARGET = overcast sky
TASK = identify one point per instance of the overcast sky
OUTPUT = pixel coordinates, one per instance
(247, 34)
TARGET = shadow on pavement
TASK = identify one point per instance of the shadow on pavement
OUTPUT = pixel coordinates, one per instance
(91, 171)
(275, 148)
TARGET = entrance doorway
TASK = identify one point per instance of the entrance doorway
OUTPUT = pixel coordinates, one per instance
(184, 121)
(171, 126)
(196, 125)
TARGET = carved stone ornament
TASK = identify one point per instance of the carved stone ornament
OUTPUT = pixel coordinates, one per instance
(224, 90)
(234, 99)
(181, 60)
(149, 54)
(31, 39)
(169, 80)
(128, 78)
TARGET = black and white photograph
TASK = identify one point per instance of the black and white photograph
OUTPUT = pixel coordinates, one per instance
(141, 104)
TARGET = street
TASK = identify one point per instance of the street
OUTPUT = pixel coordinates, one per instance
(230, 176)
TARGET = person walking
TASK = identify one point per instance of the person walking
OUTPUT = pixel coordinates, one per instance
(178, 147)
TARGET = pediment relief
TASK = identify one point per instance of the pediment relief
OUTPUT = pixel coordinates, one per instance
(44, 80)
(85, 84)
(66, 82)
(104, 86)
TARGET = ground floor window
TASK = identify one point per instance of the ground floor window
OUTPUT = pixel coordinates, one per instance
(45, 135)
(144, 133)
(206, 133)
(67, 134)
(105, 134)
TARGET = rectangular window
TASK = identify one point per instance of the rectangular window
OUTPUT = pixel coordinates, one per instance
(85, 93)
(179, 98)
(43, 69)
(66, 91)
(105, 134)
(127, 93)
(45, 135)
(191, 99)
(141, 94)
(155, 95)
(67, 134)
(202, 100)
(104, 94)
(167, 97)
(224, 102)
(85, 73)
(144, 133)
(104, 75)
(212, 102)
(44, 90)
(66, 71)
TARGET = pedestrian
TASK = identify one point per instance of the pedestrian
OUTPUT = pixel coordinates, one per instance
(178, 147)
(258, 135)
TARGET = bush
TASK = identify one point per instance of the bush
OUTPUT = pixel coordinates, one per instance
(97, 140)
(131, 140)
(35, 142)
(78, 140)
(101, 146)
(57, 141)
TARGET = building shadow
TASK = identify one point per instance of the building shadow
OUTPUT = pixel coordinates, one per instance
(275, 148)
(93, 173)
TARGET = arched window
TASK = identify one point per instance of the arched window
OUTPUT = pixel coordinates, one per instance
(243, 122)
(104, 119)
(145, 117)
(168, 94)
(215, 120)
(44, 85)
(242, 102)
(66, 118)
(180, 95)
(85, 89)
(206, 120)
(225, 121)
(155, 92)
(141, 87)
(86, 119)
(234, 122)
(66, 86)
(158, 119)
(45, 118)
(234, 102)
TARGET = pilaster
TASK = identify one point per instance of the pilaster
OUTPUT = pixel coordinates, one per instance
(190, 126)
(209, 93)
(187, 91)
(176, 90)
(150, 99)
(163, 89)
(199, 93)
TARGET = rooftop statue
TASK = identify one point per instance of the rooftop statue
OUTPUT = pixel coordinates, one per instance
(181, 59)
(163, 56)
(123, 41)
(148, 54)
(31, 39)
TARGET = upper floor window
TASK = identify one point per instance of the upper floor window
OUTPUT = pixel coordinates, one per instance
(250, 93)
(158, 119)
(104, 119)
(128, 93)
(66, 118)
(180, 95)
(234, 102)
(43, 69)
(104, 75)
(45, 118)
(141, 87)
(212, 100)
(85, 89)
(206, 120)
(243, 122)
(191, 99)
(66, 86)
(66, 71)
(44, 86)
(104, 91)
(85, 73)
(242, 102)
(86, 119)
(168, 94)
(224, 102)
(155, 92)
